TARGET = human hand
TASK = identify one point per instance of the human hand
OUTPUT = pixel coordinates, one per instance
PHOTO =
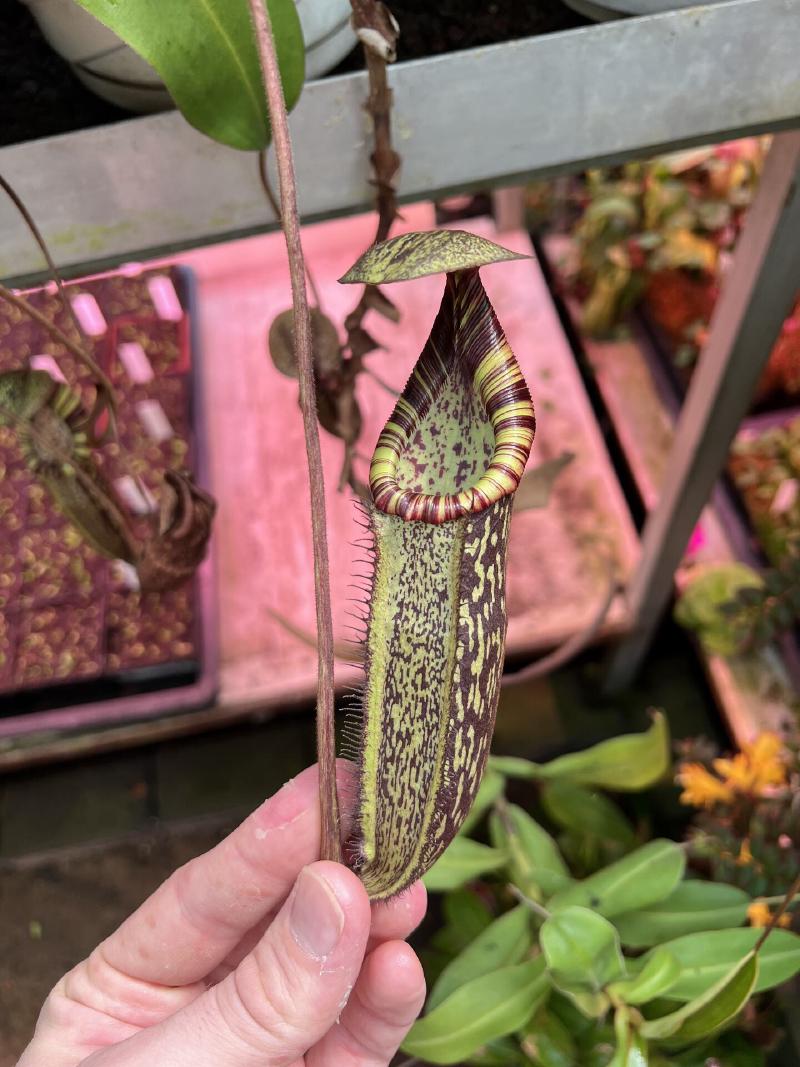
(252, 955)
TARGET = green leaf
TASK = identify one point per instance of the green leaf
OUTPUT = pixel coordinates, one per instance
(463, 861)
(691, 907)
(733, 1049)
(654, 979)
(705, 958)
(586, 812)
(505, 1052)
(465, 915)
(625, 764)
(535, 863)
(491, 787)
(415, 255)
(505, 942)
(637, 880)
(632, 1054)
(582, 950)
(710, 1011)
(547, 1042)
(572, 1018)
(486, 1008)
(592, 1005)
(701, 606)
(205, 53)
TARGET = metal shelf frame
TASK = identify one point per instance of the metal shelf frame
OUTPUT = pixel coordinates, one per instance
(489, 117)
(494, 115)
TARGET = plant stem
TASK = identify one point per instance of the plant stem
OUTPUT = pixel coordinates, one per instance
(529, 902)
(102, 384)
(793, 890)
(375, 16)
(36, 233)
(330, 842)
(266, 185)
(81, 354)
(574, 645)
(778, 900)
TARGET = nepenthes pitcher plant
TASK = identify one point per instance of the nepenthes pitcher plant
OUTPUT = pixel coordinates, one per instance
(442, 481)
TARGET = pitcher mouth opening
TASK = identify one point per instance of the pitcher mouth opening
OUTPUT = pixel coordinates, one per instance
(466, 333)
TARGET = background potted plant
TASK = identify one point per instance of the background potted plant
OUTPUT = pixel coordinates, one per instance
(112, 69)
(572, 937)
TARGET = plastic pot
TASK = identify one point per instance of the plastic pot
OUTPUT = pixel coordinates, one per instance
(603, 10)
(112, 70)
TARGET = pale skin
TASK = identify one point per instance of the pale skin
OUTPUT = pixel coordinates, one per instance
(255, 954)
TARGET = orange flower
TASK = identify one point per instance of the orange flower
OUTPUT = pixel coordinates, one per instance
(745, 856)
(758, 913)
(757, 767)
(701, 788)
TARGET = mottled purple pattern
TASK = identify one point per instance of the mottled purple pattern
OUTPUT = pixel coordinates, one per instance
(439, 690)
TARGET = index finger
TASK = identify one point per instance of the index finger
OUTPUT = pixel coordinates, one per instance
(198, 916)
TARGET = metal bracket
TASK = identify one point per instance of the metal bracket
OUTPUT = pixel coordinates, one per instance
(538, 106)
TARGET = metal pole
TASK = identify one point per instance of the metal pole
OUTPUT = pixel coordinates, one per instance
(757, 295)
(508, 203)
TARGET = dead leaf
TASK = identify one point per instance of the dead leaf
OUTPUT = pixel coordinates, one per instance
(361, 489)
(536, 486)
(338, 411)
(326, 351)
(376, 300)
(360, 342)
(175, 551)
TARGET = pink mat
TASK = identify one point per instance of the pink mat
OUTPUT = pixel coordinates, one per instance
(263, 549)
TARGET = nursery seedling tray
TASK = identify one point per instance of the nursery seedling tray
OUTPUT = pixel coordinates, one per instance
(755, 692)
(79, 644)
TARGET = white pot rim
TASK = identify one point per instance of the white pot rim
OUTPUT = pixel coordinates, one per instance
(114, 71)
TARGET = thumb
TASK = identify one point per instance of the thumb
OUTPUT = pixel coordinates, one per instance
(282, 998)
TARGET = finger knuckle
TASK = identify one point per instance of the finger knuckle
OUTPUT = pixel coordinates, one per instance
(265, 1015)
